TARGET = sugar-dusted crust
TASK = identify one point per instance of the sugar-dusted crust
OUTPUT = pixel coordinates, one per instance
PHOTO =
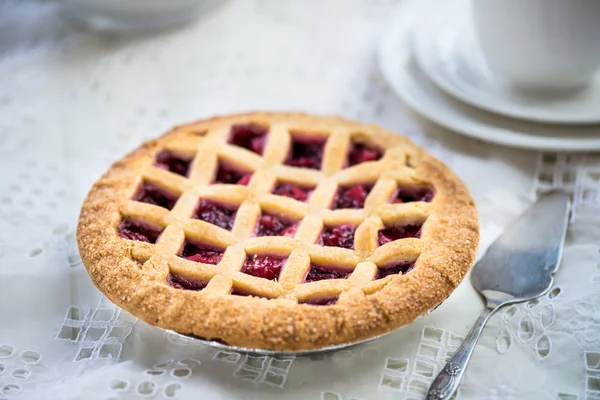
(134, 274)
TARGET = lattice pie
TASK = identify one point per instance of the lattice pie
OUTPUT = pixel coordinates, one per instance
(278, 230)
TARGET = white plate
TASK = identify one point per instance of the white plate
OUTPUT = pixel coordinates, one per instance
(415, 89)
(447, 51)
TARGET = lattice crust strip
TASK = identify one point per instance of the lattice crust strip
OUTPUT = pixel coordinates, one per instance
(208, 154)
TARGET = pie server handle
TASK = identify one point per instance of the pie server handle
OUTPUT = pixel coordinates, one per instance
(447, 381)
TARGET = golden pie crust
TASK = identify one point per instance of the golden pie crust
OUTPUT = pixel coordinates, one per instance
(134, 274)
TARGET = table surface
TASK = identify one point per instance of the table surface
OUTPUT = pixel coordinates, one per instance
(72, 102)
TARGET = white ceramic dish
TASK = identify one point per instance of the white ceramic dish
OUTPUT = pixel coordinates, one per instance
(418, 92)
(447, 51)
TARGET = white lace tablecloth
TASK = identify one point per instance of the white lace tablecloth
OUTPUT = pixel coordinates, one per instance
(73, 102)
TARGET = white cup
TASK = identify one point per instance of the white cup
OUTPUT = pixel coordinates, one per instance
(542, 45)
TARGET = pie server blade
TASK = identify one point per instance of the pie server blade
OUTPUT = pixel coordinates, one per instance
(517, 267)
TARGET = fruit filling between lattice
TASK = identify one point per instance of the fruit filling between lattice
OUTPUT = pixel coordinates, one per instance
(277, 212)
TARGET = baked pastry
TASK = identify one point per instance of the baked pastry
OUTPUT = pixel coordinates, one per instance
(278, 231)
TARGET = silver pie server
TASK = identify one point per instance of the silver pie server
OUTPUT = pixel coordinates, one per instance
(517, 267)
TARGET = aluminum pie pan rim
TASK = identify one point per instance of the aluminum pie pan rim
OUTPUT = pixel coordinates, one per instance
(271, 352)
(219, 345)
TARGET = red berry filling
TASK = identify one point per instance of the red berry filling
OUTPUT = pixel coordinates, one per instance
(325, 301)
(240, 292)
(360, 153)
(249, 136)
(351, 197)
(398, 232)
(199, 254)
(270, 225)
(245, 180)
(180, 282)
(265, 267)
(338, 236)
(319, 273)
(169, 161)
(409, 194)
(306, 154)
(215, 214)
(151, 194)
(291, 190)
(133, 230)
(232, 176)
(394, 270)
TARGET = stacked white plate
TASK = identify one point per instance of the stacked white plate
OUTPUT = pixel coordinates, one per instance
(430, 58)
